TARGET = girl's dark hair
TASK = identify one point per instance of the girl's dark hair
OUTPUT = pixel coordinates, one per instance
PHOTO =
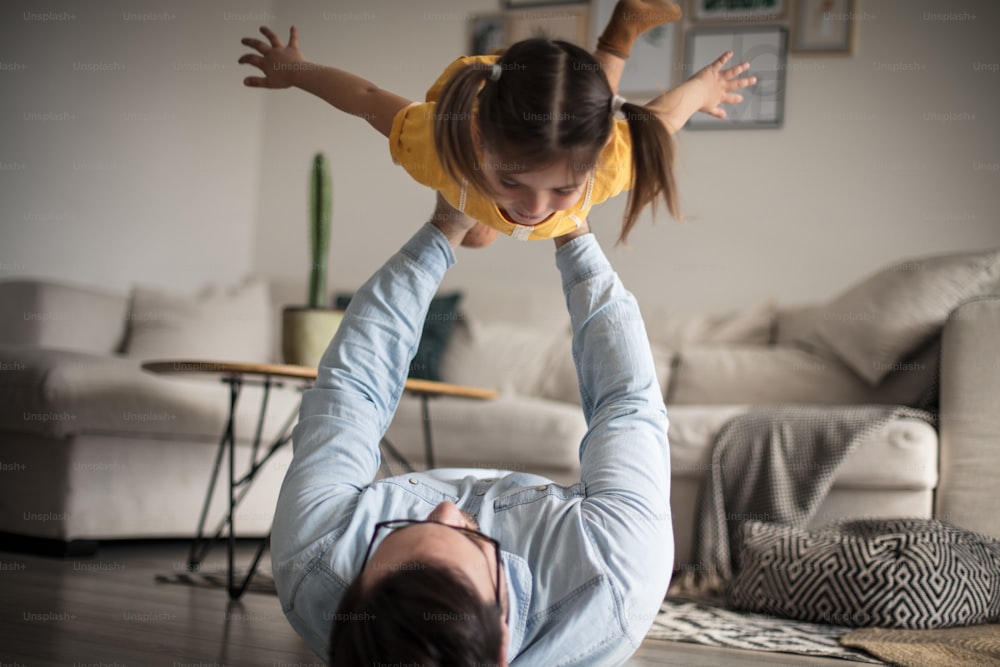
(551, 102)
(427, 615)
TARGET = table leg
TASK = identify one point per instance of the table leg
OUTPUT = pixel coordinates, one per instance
(199, 547)
(231, 541)
(428, 443)
(236, 592)
(238, 489)
(391, 450)
(244, 482)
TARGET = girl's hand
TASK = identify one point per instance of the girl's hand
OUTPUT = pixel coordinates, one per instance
(718, 84)
(277, 62)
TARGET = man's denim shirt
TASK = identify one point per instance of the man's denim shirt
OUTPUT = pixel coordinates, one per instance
(587, 566)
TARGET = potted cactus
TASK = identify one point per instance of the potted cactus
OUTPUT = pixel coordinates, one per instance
(306, 330)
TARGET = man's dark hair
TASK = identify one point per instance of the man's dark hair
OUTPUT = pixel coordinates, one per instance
(429, 615)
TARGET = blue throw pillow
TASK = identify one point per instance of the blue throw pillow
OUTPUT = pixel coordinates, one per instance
(438, 325)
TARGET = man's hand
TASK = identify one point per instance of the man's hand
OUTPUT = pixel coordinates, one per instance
(479, 236)
(452, 223)
(277, 62)
(579, 231)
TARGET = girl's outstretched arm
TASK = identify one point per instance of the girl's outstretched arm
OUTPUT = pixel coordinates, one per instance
(706, 91)
(284, 66)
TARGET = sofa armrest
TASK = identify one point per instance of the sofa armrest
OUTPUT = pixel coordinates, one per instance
(970, 418)
(39, 313)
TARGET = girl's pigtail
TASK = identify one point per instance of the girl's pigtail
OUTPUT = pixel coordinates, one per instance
(454, 139)
(652, 166)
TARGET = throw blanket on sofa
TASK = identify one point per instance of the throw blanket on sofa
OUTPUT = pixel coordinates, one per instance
(775, 464)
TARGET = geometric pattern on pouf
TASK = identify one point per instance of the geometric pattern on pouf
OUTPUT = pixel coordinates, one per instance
(913, 574)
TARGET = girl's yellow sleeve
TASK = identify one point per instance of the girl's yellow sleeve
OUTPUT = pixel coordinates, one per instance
(411, 140)
(613, 173)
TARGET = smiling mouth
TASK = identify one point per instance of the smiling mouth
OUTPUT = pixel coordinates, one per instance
(522, 219)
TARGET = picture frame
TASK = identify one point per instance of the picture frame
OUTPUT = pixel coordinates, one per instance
(656, 58)
(521, 4)
(565, 22)
(744, 11)
(825, 27)
(766, 49)
(487, 33)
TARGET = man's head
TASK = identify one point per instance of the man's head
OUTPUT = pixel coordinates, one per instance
(430, 592)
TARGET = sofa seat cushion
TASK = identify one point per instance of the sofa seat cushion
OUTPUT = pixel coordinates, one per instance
(900, 455)
(898, 573)
(516, 433)
(59, 393)
(707, 375)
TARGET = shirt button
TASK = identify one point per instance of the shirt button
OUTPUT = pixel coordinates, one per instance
(480, 493)
(413, 480)
(543, 487)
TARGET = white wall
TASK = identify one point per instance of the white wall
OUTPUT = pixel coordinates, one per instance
(170, 172)
(863, 173)
(400, 46)
(129, 151)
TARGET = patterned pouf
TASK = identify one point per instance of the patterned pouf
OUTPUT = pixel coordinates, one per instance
(894, 573)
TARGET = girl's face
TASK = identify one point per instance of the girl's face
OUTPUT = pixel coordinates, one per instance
(528, 196)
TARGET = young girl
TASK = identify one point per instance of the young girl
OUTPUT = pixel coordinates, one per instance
(526, 142)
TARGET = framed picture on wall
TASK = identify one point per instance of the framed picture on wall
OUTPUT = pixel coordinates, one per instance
(568, 23)
(487, 34)
(518, 4)
(737, 10)
(655, 58)
(824, 27)
(765, 48)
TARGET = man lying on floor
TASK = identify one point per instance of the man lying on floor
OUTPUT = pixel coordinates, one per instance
(464, 567)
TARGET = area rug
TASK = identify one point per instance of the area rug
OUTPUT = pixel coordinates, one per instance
(684, 621)
(959, 647)
(261, 583)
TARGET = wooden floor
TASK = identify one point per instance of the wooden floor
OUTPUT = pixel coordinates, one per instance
(107, 611)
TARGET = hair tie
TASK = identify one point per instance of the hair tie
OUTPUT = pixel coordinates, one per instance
(495, 72)
(616, 103)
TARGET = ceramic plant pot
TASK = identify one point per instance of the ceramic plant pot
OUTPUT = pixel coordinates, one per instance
(306, 333)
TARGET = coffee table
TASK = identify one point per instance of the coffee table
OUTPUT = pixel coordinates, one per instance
(236, 374)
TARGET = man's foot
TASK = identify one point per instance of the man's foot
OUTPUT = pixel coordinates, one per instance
(479, 236)
(630, 19)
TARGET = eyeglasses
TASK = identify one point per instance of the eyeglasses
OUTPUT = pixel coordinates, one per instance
(473, 535)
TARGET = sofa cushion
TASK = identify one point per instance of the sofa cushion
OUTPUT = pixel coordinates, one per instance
(786, 374)
(895, 573)
(434, 338)
(509, 358)
(746, 326)
(524, 360)
(878, 322)
(60, 393)
(56, 315)
(902, 455)
(793, 325)
(517, 433)
(219, 324)
(539, 306)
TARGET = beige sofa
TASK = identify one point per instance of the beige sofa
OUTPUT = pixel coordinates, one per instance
(94, 448)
